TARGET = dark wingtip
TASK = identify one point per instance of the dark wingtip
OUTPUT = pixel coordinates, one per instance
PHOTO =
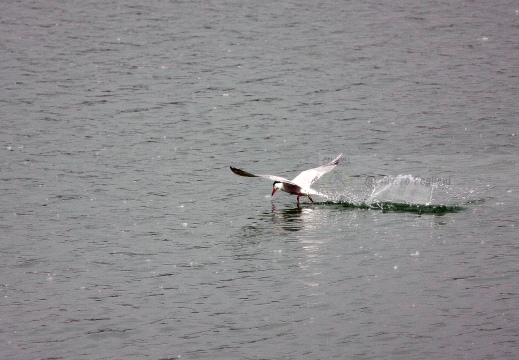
(241, 172)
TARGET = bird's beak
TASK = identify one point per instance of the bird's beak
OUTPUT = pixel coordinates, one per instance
(273, 191)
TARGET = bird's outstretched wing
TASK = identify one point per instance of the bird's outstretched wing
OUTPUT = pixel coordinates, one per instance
(308, 177)
(271, 177)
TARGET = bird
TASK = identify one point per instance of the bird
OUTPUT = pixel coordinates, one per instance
(300, 185)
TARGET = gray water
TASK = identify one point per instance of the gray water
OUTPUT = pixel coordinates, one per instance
(124, 235)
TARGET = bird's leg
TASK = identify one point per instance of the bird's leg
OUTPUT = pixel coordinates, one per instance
(310, 199)
(298, 198)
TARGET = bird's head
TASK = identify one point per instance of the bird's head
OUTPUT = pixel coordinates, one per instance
(276, 185)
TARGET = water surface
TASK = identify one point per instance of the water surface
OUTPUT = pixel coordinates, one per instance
(125, 234)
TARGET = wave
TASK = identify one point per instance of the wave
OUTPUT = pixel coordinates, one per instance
(436, 209)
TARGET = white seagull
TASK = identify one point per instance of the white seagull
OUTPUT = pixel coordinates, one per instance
(300, 186)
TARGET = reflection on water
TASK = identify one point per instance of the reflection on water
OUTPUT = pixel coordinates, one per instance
(312, 226)
(292, 218)
(310, 217)
(294, 237)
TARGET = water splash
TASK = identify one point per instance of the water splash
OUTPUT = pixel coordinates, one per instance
(401, 193)
(405, 189)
